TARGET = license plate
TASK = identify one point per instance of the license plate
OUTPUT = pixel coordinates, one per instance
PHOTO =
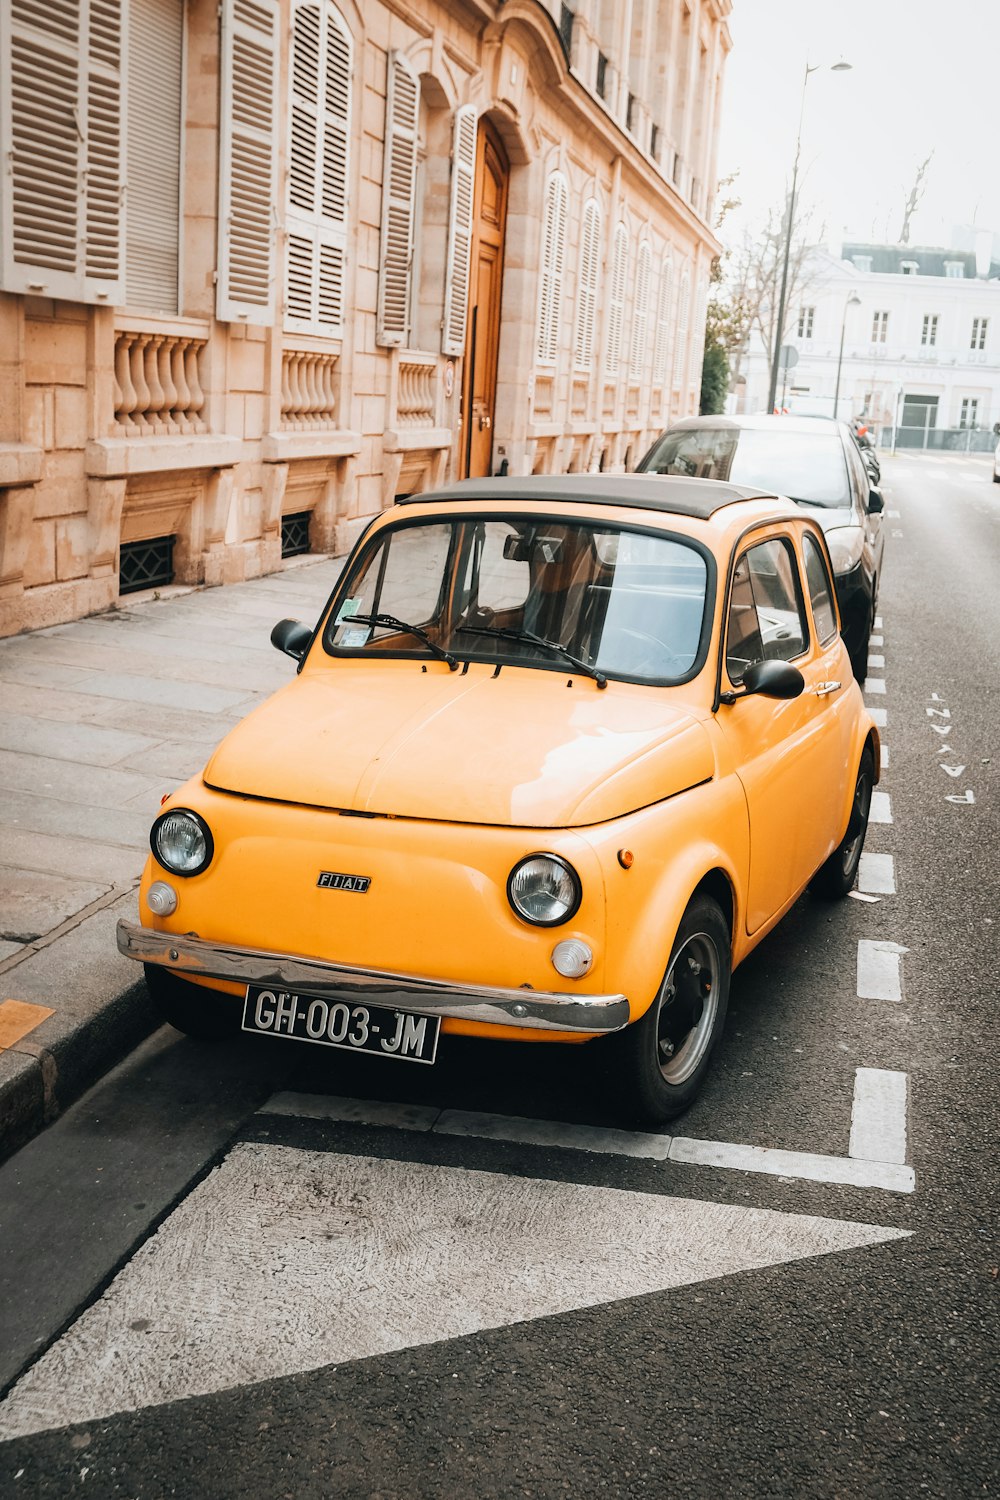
(334, 1023)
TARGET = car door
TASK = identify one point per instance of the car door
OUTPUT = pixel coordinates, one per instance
(870, 521)
(789, 754)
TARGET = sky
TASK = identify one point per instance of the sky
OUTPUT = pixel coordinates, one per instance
(925, 77)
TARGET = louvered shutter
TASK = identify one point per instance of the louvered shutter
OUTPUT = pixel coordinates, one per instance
(155, 55)
(661, 353)
(61, 123)
(683, 317)
(316, 223)
(586, 300)
(550, 278)
(456, 286)
(616, 299)
(402, 111)
(248, 148)
(640, 311)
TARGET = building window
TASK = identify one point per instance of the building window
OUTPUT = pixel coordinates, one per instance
(909, 267)
(566, 18)
(880, 327)
(929, 335)
(602, 76)
(616, 299)
(806, 315)
(587, 286)
(970, 412)
(978, 340)
(954, 268)
(550, 280)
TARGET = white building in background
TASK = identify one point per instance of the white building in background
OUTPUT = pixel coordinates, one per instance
(901, 335)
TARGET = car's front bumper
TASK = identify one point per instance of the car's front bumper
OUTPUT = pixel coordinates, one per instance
(544, 1010)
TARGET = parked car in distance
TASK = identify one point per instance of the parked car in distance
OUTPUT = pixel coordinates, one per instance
(560, 752)
(815, 462)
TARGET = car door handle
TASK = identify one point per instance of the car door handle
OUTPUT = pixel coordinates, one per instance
(823, 689)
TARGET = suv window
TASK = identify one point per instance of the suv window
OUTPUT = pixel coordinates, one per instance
(820, 591)
(766, 613)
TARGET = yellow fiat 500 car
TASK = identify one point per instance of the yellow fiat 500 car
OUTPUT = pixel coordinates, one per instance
(559, 753)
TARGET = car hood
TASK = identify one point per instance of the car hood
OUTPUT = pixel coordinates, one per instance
(830, 516)
(520, 749)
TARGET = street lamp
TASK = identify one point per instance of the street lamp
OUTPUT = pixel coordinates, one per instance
(838, 67)
(853, 301)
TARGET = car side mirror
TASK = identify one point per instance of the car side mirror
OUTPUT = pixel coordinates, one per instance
(875, 502)
(773, 679)
(291, 637)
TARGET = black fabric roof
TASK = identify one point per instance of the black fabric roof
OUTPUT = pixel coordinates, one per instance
(670, 493)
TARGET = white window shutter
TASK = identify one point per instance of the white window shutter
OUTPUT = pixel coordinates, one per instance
(640, 311)
(402, 111)
(683, 318)
(456, 287)
(61, 121)
(155, 107)
(248, 149)
(661, 352)
(550, 279)
(616, 298)
(319, 163)
(587, 282)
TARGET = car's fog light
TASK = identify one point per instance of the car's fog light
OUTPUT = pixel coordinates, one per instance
(161, 898)
(572, 958)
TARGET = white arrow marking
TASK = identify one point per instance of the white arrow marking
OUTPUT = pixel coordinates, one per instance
(966, 797)
(938, 713)
(878, 970)
(941, 728)
(283, 1261)
(953, 770)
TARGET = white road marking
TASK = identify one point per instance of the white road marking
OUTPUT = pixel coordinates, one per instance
(875, 685)
(843, 1170)
(355, 1111)
(877, 874)
(879, 970)
(876, 661)
(878, 622)
(876, 640)
(881, 808)
(553, 1133)
(880, 717)
(283, 1261)
(883, 751)
(893, 515)
(878, 1117)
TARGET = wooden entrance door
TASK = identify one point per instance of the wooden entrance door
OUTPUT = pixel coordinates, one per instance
(489, 213)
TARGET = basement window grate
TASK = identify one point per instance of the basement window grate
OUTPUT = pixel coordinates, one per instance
(146, 565)
(295, 534)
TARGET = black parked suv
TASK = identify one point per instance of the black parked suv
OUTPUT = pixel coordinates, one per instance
(815, 462)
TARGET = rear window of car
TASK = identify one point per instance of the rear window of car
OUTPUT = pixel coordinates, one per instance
(806, 466)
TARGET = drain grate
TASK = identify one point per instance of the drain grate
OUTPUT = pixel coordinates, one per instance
(146, 565)
(295, 534)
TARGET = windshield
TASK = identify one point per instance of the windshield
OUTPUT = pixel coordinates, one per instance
(540, 592)
(807, 466)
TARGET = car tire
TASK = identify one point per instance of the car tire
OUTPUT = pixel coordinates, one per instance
(836, 877)
(656, 1087)
(202, 1013)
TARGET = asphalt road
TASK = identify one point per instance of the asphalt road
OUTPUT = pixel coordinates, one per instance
(555, 1306)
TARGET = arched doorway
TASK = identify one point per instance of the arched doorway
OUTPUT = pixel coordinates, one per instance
(489, 215)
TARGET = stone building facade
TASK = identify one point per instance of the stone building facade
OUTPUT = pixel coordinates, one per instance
(267, 264)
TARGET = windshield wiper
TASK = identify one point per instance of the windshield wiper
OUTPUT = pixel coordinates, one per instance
(417, 630)
(538, 640)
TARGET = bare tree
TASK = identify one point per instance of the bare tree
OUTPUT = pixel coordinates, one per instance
(916, 193)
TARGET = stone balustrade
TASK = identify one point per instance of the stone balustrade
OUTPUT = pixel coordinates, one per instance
(416, 393)
(158, 385)
(308, 390)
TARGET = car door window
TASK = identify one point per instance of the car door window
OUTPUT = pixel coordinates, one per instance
(820, 591)
(766, 613)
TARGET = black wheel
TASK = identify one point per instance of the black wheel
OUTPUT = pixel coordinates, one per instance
(660, 1061)
(199, 1012)
(836, 877)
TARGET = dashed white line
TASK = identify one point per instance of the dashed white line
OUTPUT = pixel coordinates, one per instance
(880, 717)
(877, 874)
(881, 808)
(875, 685)
(878, 1117)
(879, 970)
(876, 640)
(843, 1170)
(884, 756)
(876, 661)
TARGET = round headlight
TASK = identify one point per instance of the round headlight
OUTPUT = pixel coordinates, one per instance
(544, 890)
(181, 841)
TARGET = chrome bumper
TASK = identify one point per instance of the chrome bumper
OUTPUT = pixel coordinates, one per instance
(541, 1010)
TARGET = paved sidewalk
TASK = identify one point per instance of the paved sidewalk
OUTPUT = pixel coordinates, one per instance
(98, 719)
